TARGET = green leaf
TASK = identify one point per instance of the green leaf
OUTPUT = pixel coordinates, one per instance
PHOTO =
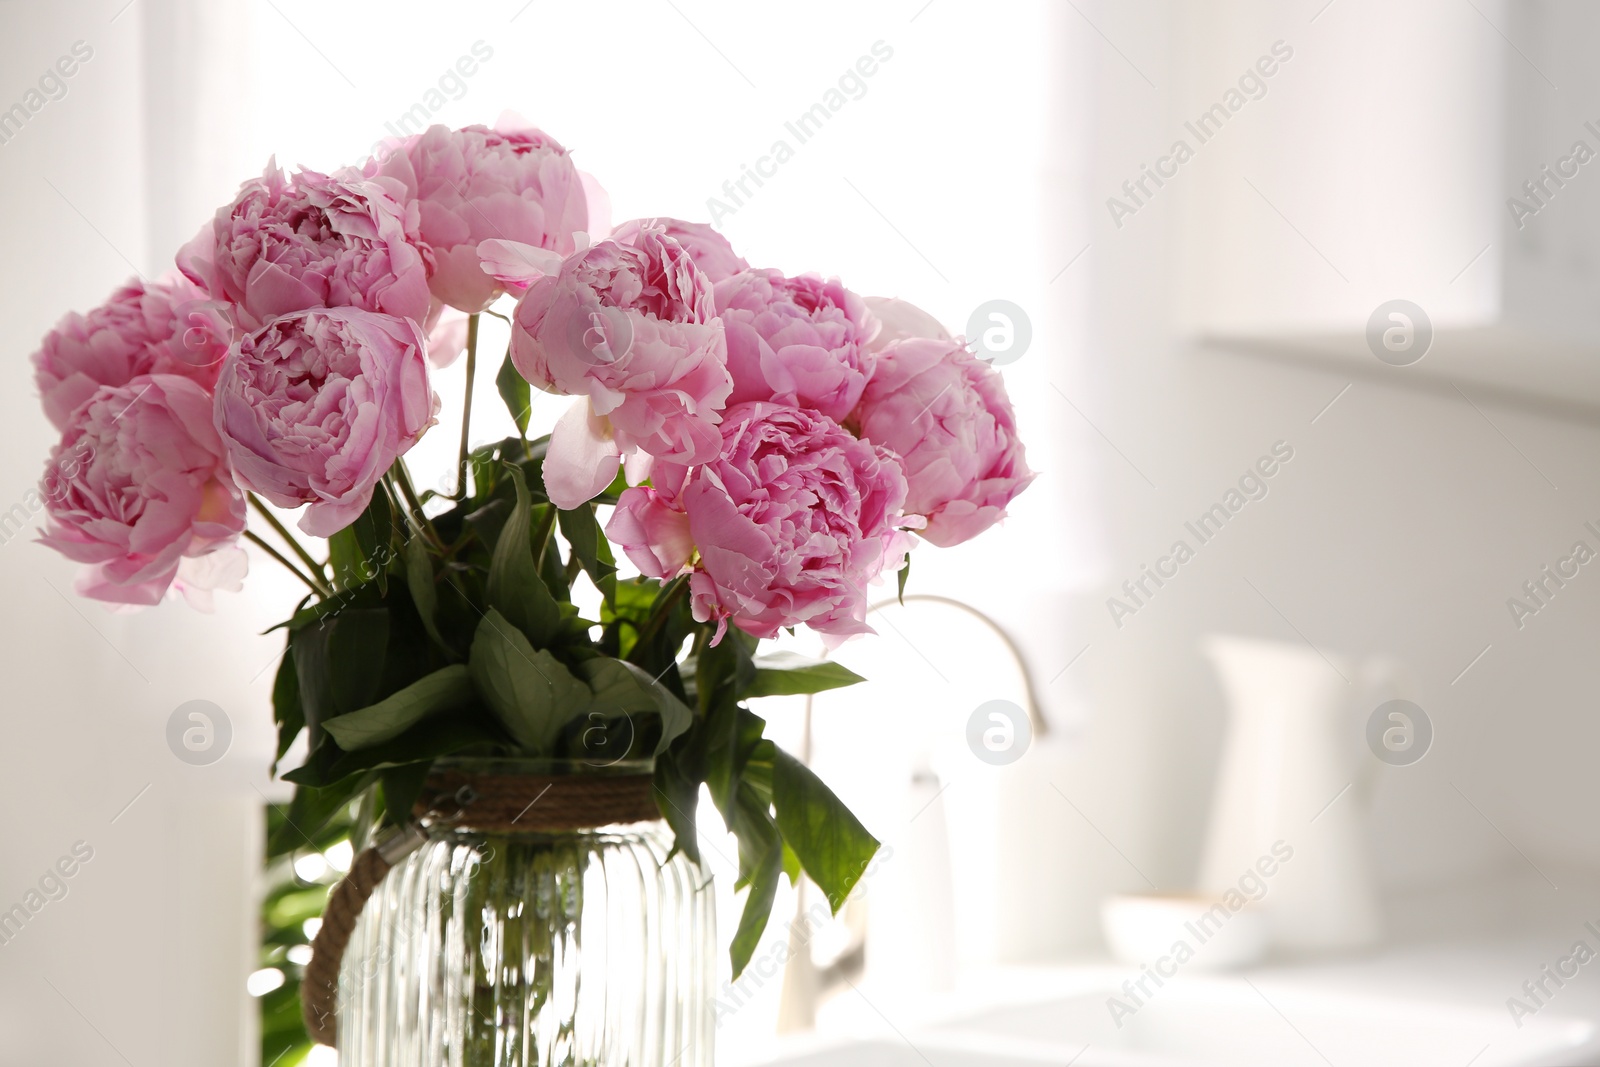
(360, 552)
(753, 827)
(515, 588)
(401, 787)
(375, 528)
(676, 716)
(514, 390)
(635, 597)
(395, 714)
(628, 618)
(789, 674)
(286, 709)
(344, 554)
(677, 796)
(719, 732)
(363, 596)
(622, 688)
(419, 580)
(309, 812)
(757, 776)
(725, 671)
(429, 739)
(489, 464)
(488, 521)
(528, 689)
(757, 907)
(294, 907)
(901, 576)
(339, 662)
(551, 567)
(617, 690)
(833, 846)
(440, 735)
(589, 544)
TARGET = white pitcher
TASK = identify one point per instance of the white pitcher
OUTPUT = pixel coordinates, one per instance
(1292, 772)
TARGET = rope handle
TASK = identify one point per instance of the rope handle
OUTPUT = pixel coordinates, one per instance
(319, 989)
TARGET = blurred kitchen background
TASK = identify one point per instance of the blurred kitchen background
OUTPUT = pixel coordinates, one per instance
(1177, 329)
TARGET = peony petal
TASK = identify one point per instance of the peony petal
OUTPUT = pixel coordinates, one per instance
(325, 518)
(96, 583)
(654, 534)
(582, 458)
(899, 319)
(707, 249)
(599, 202)
(516, 264)
(510, 121)
(447, 339)
(637, 466)
(459, 279)
(199, 576)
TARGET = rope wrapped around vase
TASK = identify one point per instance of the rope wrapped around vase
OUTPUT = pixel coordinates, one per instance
(481, 803)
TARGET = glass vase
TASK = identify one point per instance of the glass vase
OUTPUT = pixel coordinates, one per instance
(533, 949)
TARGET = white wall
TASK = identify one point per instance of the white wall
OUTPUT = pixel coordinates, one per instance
(144, 959)
(1407, 517)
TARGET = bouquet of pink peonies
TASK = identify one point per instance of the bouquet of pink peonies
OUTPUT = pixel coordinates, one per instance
(761, 447)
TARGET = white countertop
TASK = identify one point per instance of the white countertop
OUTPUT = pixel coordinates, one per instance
(1437, 994)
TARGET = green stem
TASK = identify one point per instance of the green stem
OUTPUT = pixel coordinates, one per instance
(658, 618)
(289, 539)
(399, 476)
(541, 536)
(316, 587)
(466, 407)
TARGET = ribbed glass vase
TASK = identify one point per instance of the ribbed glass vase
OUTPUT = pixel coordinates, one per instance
(533, 949)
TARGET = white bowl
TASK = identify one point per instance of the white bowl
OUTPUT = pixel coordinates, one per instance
(1188, 932)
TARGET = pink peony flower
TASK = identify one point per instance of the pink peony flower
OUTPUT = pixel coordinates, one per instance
(315, 407)
(447, 335)
(631, 329)
(791, 523)
(200, 576)
(710, 250)
(315, 241)
(898, 319)
(945, 413)
(653, 530)
(510, 183)
(138, 485)
(800, 341)
(164, 327)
